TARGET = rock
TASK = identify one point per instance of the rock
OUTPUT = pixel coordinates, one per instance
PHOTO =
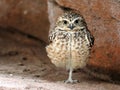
(28, 16)
(103, 20)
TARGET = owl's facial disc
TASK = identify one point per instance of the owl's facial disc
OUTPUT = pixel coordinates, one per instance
(70, 23)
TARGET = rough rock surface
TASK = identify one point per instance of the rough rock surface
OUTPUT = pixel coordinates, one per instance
(28, 16)
(103, 20)
(24, 26)
(24, 66)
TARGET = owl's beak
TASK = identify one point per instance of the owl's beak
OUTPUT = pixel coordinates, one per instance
(71, 26)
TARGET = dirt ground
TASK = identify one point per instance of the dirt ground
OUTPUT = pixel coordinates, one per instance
(24, 66)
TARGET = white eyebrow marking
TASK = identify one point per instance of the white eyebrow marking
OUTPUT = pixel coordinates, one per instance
(76, 19)
(65, 20)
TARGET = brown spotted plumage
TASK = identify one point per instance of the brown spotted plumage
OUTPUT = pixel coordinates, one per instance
(70, 43)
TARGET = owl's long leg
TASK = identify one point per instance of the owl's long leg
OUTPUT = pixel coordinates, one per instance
(70, 80)
(70, 74)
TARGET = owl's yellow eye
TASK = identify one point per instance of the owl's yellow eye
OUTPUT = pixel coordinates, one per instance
(65, 22)
(76, 21)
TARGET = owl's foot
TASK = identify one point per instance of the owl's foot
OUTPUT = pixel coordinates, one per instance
(71, 81)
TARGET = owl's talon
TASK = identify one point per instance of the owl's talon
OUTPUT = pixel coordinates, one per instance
(71, 81)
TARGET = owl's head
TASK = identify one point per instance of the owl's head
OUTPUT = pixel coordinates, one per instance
(70, 21)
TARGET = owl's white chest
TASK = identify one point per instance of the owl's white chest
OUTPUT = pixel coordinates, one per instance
(69, 50)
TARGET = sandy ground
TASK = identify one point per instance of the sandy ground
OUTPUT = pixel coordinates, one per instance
(24, 66)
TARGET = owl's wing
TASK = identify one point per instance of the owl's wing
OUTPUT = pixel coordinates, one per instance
(90, 38)
(51, 36)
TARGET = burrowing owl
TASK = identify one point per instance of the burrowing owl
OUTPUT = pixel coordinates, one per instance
(70, 43)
